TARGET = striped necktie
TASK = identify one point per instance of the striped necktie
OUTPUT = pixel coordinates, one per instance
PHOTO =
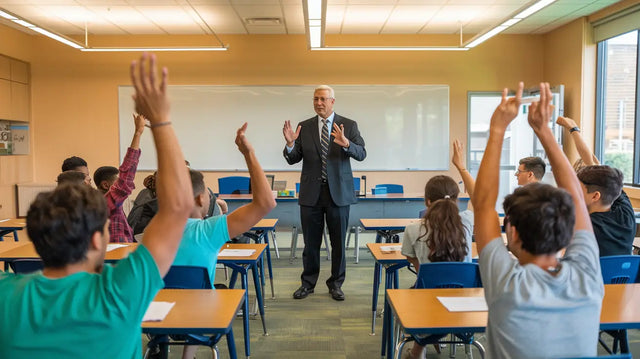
(324, 142)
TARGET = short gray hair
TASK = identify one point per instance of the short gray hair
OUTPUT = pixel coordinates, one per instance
(327, 88)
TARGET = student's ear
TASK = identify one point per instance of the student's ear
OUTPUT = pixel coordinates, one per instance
(200, 199)
(96, 241)
(596, 196)
(104, 185)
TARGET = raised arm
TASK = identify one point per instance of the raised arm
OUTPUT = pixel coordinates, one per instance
(245, 217)
(485, 195)
(173, 185)
(292, 151)
(539, 117)
(458, 162)
(585, 153)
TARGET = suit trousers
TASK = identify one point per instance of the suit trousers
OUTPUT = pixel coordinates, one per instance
(313, 220)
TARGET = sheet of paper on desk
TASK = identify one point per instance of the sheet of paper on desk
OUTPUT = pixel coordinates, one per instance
(112, 246)
(464, 304)
(157, 311)
(236, 252)
(393, 248)
(4, 220)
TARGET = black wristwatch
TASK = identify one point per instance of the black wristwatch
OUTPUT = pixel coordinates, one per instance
(574, 129)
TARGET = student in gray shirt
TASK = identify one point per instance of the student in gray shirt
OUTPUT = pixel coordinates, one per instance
(540, 306)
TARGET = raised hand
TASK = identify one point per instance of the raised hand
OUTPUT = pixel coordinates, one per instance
(566, 122)
(150, 97)
(139, 122)
(540, 112)
(338, 136)
(242, 142)
(507, 110)
(288, 133)
(456, 159)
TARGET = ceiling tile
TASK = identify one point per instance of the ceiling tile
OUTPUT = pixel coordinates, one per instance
(127, 18)
(365, 19)
(409, 19)
(254, 2)
(451, 15)
(246, 11)
(270, 29)
(222, 19)
(294, 19)
(335, 16)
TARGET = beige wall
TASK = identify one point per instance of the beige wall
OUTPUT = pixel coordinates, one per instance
(74, 94)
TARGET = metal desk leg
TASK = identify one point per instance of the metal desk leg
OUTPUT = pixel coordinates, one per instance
(357, 244)
(275, 244)
(245, 306)
(266, 240)
(374, 297)
(256, 281)
(386, 320)
(294, 241)
(231, 345)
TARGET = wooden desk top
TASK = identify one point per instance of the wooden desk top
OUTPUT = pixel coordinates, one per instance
(8, 245)
(258, 247)
(13, 223)
(387, 224)
(28, 251)
(266, 224)
(619, 309)
(197, 311)
(397, 256)
(369, 196)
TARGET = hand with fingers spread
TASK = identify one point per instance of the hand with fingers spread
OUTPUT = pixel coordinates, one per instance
(457, 157)
(242, 142)
(507, 110)
(150, 98)
(540, 112)
(139, 122)
(288, 133)
(338, 136)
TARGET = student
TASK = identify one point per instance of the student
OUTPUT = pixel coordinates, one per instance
(458, 162)
(530, 170)
(117, 184)
(610, 209)
(540, 306)
(72, 176)
(203, 238)
(77, 306)
(75, 163)
(443, 235)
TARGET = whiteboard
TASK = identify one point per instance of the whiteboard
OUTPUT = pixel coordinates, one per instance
(405, 127)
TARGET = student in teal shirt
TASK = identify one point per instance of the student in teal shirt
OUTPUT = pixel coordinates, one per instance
(78, 307)
(203, 238)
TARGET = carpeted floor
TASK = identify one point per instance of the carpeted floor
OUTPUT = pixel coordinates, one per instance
(318, 326)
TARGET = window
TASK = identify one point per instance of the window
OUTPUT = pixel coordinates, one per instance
(617, 144)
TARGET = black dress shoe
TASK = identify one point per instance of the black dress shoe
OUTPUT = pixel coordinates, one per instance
(302, 292)
(336, 293)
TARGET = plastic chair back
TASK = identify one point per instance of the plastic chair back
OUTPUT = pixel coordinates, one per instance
(392, 188)
(25, 266)
(356, 184)
(234, 185)
(620, 269)
(449, 275)
(187, 277)
(298, 188)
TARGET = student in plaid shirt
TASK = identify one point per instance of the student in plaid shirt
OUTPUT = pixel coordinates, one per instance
(117, 185)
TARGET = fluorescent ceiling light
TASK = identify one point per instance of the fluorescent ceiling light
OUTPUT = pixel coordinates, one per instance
(24, 23)
(7, 15)
(391, 48)
(477, 40)
(314, 9)
(533, 9)
(315, 36)
(57, 37)
(142, 49)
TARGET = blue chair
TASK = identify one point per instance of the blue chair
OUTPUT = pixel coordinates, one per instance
(447, 275)
(391, 188)
(234, 185)
(618, 270)
(25, 266)
(185, 277)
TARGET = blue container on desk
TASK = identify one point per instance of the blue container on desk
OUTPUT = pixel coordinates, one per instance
(379, 190)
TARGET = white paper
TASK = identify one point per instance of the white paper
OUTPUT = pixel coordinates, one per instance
(236, 252)
(391, 248)
(4, 220)
(464, 304)
(112, 246)
(157, 311)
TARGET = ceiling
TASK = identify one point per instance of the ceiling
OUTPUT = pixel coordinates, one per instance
(179, 17)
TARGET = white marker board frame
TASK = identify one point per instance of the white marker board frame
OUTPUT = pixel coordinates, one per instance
(405, 127)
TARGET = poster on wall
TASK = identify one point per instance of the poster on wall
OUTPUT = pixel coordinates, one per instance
(5, 138)
(19, 138)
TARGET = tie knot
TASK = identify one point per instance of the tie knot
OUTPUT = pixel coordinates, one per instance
(324, 121)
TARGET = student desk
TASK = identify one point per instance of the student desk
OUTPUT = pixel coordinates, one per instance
(12, 226)
(619, 311)
(197, 311)
(242, 265)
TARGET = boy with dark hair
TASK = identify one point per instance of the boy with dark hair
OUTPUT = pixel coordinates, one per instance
(73, 176)
(77, 306)
(610, 209)
(75, 163)
(203, 238)
(530, 170)
(117, 185)
(538, 303)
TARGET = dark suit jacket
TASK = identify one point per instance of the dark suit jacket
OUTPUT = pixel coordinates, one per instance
(339, 175)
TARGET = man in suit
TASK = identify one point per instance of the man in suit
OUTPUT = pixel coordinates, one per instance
(324, 144)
